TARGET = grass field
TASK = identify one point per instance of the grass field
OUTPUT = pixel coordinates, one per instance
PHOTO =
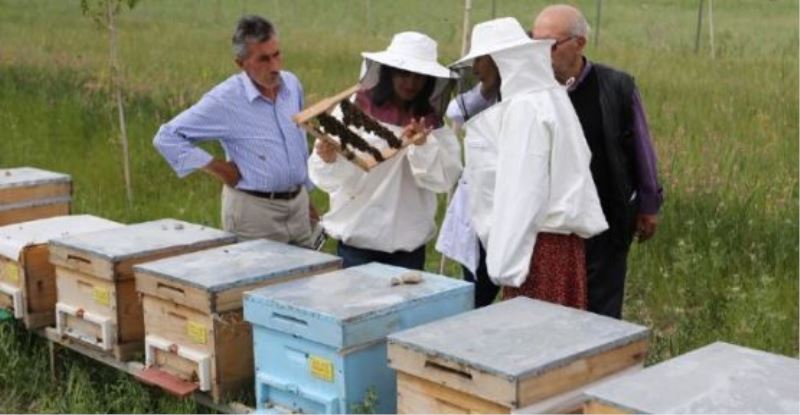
(723, 265)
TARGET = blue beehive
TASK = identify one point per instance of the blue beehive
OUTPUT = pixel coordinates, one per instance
(320, 342)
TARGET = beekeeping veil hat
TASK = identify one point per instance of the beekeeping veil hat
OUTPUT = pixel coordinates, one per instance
(524, 65)
(494, 36)
(413, 52)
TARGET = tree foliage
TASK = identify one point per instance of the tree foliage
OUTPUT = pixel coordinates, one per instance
(98, 9)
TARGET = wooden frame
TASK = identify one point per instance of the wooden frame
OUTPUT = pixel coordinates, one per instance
(312, 117)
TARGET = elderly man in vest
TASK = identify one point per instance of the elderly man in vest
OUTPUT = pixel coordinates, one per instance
(623, 160)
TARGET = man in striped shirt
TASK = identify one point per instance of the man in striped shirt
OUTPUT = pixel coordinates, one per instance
(265, 173)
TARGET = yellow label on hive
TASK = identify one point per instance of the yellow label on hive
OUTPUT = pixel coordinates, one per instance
(101, 295)
(196, 332)
(321, 368)
(11, 272)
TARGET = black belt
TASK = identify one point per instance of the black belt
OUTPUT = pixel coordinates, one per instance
(274, 195)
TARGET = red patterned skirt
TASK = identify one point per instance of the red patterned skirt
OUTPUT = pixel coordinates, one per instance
(557, 273)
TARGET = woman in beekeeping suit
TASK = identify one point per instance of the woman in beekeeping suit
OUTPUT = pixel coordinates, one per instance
(387, 214)
(532, 200)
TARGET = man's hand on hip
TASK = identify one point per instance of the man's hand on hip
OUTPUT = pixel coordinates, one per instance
(225, 171)
(313, 215)
(646, 226)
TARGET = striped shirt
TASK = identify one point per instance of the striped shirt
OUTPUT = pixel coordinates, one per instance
(257, 134)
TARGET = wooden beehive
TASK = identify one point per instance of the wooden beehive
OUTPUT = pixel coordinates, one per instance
(27, 193)
(97, 301)
(510, 356)
(27, 278)
(719, 378)
(356, 136)
(196, 337)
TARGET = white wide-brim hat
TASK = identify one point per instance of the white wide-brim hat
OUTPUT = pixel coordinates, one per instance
(413, 52)
(494, 36)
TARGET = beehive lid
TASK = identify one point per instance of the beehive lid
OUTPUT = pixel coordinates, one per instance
(227, 267)
(519, 338)
(336, 308)
(14, 238)
(143, 239)
(718, 378)
(29, 176)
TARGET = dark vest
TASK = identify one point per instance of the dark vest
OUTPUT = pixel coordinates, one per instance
(603, 104)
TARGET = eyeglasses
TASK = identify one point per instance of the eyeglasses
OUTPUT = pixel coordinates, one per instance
(554, 46)
(558, 43)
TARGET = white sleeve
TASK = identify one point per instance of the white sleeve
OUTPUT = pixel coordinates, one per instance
(332, 177)
(436, 165)
(522, 189)
(472, 102)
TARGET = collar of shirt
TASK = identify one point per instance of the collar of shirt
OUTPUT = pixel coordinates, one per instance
(251, 91)
(587, 66)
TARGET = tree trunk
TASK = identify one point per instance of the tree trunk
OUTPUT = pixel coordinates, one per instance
(465, 27)
(711, 27)
(117, 87)
(597, 22)
(699, 26)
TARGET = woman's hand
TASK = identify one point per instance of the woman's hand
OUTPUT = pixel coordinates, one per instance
(416, 131)
(325, 150)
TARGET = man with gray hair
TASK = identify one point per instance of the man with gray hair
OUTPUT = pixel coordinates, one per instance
(623, 160)
(264, 173)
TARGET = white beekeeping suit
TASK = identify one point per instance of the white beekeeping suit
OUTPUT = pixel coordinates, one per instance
(527, 161)
(393, 206)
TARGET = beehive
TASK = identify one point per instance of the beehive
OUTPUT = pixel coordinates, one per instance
(195, 336)
(509, 356)
(719, 378)
(27, 193)
(27, 279)
(319, 342)
(97, 300)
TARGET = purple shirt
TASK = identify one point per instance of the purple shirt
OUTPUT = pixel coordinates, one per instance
(649, 191)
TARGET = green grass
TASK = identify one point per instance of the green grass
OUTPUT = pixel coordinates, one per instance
(723, 265)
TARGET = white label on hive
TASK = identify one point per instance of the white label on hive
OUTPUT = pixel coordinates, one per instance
(101, 295)
(11, 272)
(321, 368)
(196, 332)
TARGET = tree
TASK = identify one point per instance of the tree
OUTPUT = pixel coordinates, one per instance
(104, 13)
